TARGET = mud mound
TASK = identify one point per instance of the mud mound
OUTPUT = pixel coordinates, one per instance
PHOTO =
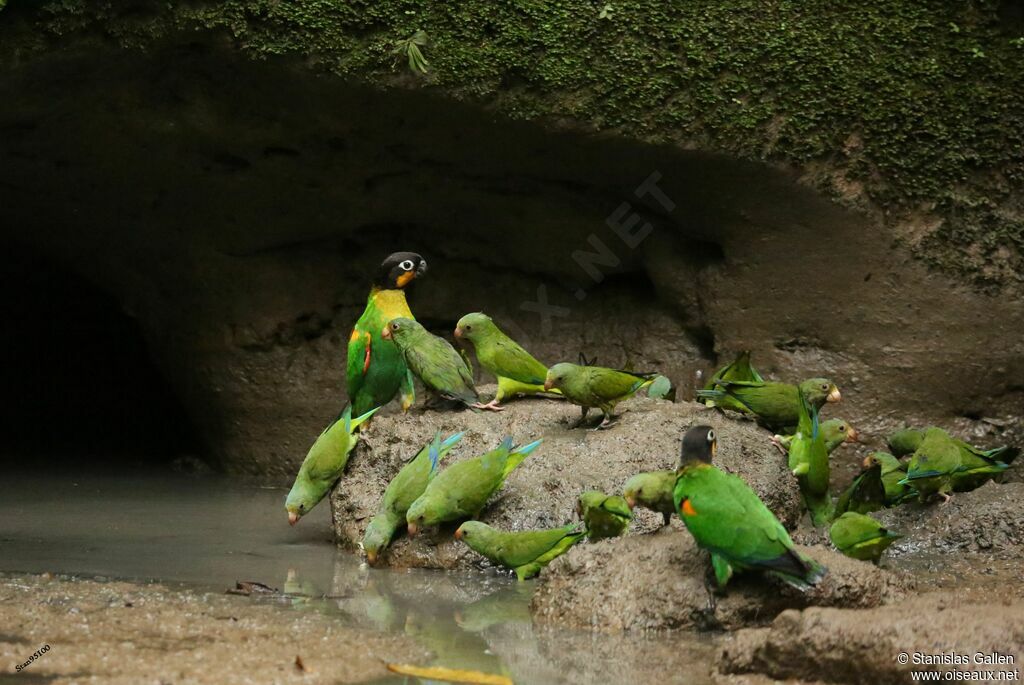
(542, 492)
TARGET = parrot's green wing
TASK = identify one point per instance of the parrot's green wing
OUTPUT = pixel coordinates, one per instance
(375, 370)
(510, 360)
(866, 493)
(440, 367)
(617, 505)
(561, 547)
(527, 546)
(608, 384)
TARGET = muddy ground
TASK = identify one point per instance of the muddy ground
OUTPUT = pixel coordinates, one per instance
(126, 633)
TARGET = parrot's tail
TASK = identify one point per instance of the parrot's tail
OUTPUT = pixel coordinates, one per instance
(1004, 454)
(518, 454)
(796, 570)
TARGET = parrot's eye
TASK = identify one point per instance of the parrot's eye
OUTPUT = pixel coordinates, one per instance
(640, 492)
(406, 265)
(302, 507)
(842, 429)
(824, 388)
(394, 326)
(711, 436)
(468, 327)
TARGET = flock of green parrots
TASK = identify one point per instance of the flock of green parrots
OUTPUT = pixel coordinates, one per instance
(388, 348)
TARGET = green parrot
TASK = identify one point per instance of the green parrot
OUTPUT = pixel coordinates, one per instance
(435, 362)
(526, 552)
(461, 491)
(834, 431)
(866, 493)
(739, 369)
(731, 522)
(517, 371)
(661, 389)
(375, 371)
(402, 491)
(808, 460)
(892, 473)
(324, 464)
(978, 465)
(933, 465)
(652, 490)
(595, 386)
(860, 536)
(775, 405)
(605, 516)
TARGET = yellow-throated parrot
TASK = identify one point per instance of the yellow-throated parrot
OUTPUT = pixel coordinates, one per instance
(605, 516)
(375, 371)
(652, 490)
(324, 464)
(518, 372)
(435, 362)
(461, 491)
(834, 431)
(402, 491)
(525, 552)
(596, 387)
(861, 537)
(739, 369)
(775, 405)
(731, 522)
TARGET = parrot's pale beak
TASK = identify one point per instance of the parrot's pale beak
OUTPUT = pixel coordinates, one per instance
(386, 333)
(851, 435)
(458, 534)
(631, 501)
(834, 396)
(868, 462)
(458, 332)
(548, 384)
(371, 557)
(412, 528)
(293, 518)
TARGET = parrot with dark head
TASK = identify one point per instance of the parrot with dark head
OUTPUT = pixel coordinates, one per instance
(592, 387)
(517, 371)
(375, 371)
(435, 362)
(730, 521)
(774, 405)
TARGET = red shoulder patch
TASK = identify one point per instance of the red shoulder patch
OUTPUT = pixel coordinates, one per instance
(687, 508)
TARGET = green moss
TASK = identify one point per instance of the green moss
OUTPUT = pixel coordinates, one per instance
(918, 103)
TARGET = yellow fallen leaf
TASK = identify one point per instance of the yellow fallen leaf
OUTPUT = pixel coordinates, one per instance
(450, 675)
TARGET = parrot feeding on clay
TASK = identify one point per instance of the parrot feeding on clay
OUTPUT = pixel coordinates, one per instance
(834, 431)
(375, 371)
(517, 371)
(324, 463)
(605, 516)
(861, 537)
(526, 552)
(893, 471)
(592, 387)
(933, 465)
(739, 369)
(652, 490)
(808, 460)
(730, 521)
(977, 465)
(402, 491)
(866, 493)
(461, 491)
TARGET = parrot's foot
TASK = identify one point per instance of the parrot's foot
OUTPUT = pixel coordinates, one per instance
(490, 406)
(946, 498)
(608, 422)
(778, 444)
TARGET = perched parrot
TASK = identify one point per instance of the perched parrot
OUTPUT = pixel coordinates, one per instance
(775, 405)
(324, 464)
(933, 465)
(605, 516)
(860, 536)
(834, 431)
(435, 362)
(731, 522)
(738, 369)
(526, 552)
(808, 460)
(977, 465)
(652, 491)
(517, 371)
(402, 491)
(661, 389)
(866, 493)
(375, 371)
(461, 491)
(892, 473)
(596, 387)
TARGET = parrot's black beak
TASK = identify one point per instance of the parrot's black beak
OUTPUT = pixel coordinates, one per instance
(422, 268)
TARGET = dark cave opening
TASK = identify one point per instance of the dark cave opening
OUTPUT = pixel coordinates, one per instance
(81, 388)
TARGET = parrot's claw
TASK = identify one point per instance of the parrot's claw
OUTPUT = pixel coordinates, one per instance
(778, 444)
(946, 498)
(608, 422)
(490, 406)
